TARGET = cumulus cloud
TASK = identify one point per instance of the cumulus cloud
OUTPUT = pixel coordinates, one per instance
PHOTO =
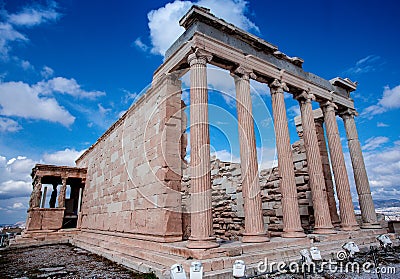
(29, 16)
(390, 100)
(9, 125)
(167, 18)
(37, 101)
(67, 86)
(47, 72)
(64, 157)
(22, 100)
(26, 65)
(15, 180)
(382, 163)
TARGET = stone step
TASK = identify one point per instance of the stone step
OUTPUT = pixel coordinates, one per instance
(135, 263)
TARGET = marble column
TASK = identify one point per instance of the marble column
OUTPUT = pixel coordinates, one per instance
(323, 223)
(369, 219)
(253, 215)
(326, 168)
(36, 195)
(63, 191)
(290, 205)
(347, 215)
(202, 235)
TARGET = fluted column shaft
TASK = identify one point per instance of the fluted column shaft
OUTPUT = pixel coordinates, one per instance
(290, 205)
(254, 221)
(367, 207)
(201, 207)
(326, 168)
(63, 191)
(347, 215)
(323, 224)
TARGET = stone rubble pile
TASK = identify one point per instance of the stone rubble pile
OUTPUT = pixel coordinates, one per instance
(227, 197)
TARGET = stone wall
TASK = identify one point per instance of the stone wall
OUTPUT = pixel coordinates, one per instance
(134, 170)
(227, 198)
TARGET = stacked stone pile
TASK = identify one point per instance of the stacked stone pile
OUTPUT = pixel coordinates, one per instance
(227, 197)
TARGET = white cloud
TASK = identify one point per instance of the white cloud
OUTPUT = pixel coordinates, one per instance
(102, 110)
(8, 34)
(129, 97)
(66, 86)
(26, 65)
(9, 125)
(22, 100)
(15, 180)
(390, 100)
(381, 124)
(18, 205)
(364, 65)
(382, 165)
(374, 142)
(138, 43)
(225, 156)
(220, 80)
(167, 18)
(47, 72)
(64, 157)
(294, 111)
(31, 16)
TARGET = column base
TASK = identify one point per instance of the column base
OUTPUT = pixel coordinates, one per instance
(371, 226)
(294, 234)
(350, 228)
(324, 231)
(204, 243)
(255, 238)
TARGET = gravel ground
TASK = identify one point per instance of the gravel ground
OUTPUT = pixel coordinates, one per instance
(60, 261)
(65, 261)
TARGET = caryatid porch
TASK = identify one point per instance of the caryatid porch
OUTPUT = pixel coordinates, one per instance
(61, 212)
(209, 40)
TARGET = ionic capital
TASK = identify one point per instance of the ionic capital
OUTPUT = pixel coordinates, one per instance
(278, 87)
(328, 106)
(348, 113)
(199, 56)
(305, 97)
(244, 73)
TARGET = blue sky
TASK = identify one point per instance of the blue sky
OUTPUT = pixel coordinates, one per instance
(68, 69)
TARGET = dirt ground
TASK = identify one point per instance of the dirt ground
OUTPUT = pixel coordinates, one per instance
(60, 261)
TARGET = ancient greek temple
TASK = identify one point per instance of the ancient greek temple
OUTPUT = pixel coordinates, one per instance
(137, 202)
